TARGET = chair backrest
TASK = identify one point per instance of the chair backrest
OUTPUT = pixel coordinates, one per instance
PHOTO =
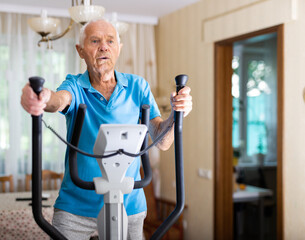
(49, 179)
(10, 180)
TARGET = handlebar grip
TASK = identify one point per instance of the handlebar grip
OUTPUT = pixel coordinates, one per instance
(181, 81)
(37, 84)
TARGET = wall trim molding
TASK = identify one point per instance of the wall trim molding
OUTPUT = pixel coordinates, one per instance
(233, 10)
(247, 18)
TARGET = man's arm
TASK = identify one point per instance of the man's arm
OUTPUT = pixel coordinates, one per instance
(48, 100)
(157, 126)
(179, 102)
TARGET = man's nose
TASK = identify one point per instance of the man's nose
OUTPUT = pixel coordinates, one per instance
(103, 46)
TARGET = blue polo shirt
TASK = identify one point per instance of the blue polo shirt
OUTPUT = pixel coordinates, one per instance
(123, 107)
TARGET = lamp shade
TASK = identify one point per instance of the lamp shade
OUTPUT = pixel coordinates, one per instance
(83, 14)
(120, 26)
(43, 25)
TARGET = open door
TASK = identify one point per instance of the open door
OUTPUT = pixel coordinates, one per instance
(246, 136)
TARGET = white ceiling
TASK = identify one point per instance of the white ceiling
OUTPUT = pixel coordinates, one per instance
(146, 11)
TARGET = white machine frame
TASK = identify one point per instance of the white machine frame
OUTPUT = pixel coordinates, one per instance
(112, 220)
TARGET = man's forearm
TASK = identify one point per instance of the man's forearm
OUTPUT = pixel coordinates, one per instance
(58, 101)
(159, 126)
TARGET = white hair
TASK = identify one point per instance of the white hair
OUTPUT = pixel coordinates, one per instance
(82, 33)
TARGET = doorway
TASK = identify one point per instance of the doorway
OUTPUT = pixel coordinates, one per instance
(248, 128)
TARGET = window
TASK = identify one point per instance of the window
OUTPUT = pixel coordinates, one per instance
(4, 124)
(254, 91)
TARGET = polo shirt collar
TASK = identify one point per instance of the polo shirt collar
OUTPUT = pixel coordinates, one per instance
(85, 82)
(121, 80)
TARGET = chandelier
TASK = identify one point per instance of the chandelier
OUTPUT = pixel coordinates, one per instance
(80, 13)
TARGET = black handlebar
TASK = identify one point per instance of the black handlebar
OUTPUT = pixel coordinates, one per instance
(89, 185)
(37, 85)
(145, 158)
(80, 117)
(180, 193)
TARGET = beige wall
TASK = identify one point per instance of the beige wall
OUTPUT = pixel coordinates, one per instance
(185, 44)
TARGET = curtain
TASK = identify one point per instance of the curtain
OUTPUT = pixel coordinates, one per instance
(21, 58)
(138, 54)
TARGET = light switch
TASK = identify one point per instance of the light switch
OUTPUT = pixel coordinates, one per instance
(205, 173)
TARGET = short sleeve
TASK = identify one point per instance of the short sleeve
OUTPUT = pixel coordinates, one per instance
(148, 98)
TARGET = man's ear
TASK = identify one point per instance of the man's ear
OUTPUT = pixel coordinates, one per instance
(80, 51)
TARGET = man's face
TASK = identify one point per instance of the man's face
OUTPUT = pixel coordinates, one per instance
(101, 49)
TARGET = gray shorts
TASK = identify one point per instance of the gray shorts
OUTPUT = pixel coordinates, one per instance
(76, 227)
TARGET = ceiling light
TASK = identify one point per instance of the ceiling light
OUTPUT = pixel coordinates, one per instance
(120, 26)
(80, 13)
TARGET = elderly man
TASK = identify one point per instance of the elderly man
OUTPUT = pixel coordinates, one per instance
(111, 97)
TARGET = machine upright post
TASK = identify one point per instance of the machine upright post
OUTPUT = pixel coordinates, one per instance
(180, 194)
(36, 83)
